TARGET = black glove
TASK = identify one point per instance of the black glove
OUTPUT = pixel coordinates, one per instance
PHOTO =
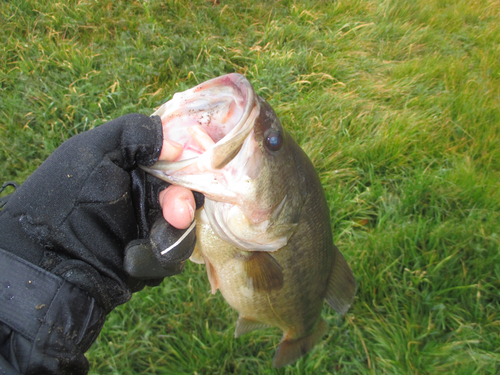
(146, 259)
(76, 214)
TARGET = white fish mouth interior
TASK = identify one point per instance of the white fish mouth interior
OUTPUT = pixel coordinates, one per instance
(200, 117)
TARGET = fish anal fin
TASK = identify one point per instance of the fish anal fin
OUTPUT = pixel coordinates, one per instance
(341, 287)
(212, 275)
(245, 325)
(263, 271)
(289, 350)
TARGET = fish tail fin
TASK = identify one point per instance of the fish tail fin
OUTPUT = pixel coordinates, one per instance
(341, 287)
(289, 350)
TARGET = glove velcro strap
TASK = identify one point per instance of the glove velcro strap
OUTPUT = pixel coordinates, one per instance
(57, 317)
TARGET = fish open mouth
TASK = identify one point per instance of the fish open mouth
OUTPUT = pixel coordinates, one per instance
(209, 117)
(210, 122)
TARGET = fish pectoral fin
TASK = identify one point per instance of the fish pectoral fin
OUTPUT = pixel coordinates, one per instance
(212, 275)
(197, 256)
(341, 287)
(245, 325)
(289, 350)
(263, 271)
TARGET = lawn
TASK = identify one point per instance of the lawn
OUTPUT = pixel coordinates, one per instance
(396, 102)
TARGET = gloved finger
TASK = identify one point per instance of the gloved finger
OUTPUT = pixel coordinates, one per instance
(172, 246)
(163, 255)
(178, 206)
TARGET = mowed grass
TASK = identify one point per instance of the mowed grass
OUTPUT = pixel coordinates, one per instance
(396, 102)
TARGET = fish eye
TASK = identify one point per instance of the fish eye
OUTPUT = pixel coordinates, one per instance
(273, 140)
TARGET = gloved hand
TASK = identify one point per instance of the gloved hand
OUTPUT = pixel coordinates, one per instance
(75, 215)
(162, 250)
(88, 202)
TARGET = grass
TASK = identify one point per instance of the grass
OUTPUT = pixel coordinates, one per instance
(396, 102)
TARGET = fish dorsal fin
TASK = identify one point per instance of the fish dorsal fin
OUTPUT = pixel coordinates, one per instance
(245, 325)
(341, 287)
(263, 271)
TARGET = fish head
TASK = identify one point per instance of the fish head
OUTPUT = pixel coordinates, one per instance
(236, 152)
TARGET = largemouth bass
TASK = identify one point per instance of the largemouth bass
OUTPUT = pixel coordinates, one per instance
(264, 232)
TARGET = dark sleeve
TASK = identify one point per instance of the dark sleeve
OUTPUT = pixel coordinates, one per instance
(46, 322)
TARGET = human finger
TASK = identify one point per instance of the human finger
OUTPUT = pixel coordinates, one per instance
(178, 206)
(170, 150)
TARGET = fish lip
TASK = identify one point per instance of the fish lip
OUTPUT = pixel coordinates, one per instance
(217, 153)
